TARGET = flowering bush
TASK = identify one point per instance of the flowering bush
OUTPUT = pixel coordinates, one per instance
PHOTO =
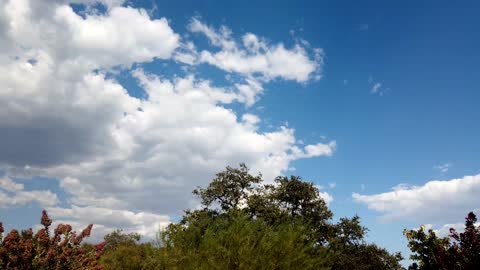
(62, 250)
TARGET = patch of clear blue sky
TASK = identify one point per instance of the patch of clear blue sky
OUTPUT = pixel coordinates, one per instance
(425, 52)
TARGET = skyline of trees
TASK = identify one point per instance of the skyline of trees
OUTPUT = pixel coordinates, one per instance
(243, 223)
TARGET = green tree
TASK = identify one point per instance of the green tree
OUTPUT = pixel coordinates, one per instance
(124, 251)
(234, 240)
(246, 224)
(229, 188)
(290, 202)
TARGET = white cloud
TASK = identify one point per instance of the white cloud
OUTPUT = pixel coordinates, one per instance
(363, 27)
(444, 167)
(108, 3)
(9, 185)
(256, 57)
(113, 152)
(444, 230)
(124, 36)
(44, 198)
(324, 195)
(377, 87)
(17, 196)
(320, 149)
(147, 224)
(436, 202)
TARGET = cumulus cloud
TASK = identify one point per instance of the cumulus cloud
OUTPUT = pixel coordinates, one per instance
(44, 198)
(256, 56)
(324, 195)
(147, 224)
(112, 152)
(13, 194)
(108, 3)
(436, 202)
(9, 185)
(124, 36)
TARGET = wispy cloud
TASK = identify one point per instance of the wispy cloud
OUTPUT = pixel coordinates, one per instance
(377, 87)
(443, 168)
(362, 27)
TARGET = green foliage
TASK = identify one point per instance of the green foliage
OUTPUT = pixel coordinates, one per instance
(124, 251)
(235, 241)
(365, 257)
(228, 188)
(61, 251)
(351, 252)
(245, 224)
(117, 238)
(458, 251)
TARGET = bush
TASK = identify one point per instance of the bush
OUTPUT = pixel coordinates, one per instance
(458, 251)
(61, 251)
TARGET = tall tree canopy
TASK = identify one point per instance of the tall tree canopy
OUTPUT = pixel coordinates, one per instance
(245, 224)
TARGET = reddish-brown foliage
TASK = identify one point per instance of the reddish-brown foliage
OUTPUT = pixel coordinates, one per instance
(61, 251)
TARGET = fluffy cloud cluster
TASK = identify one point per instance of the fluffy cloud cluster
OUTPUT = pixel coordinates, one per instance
(256, 56)
(147, 224)
(437, 202)
(63, 116)
(253, 58)
(13, 194)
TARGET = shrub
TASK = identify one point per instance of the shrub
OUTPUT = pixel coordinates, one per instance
(458, 251)
(41, 250)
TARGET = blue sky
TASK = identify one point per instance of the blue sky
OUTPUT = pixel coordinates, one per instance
(135, 100)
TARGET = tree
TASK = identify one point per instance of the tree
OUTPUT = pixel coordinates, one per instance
(234, 196)
(229, 188)
(63, 250)
(246, 224)
(124, 251)
(234, 240)
(117, 238)
(458, 251)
